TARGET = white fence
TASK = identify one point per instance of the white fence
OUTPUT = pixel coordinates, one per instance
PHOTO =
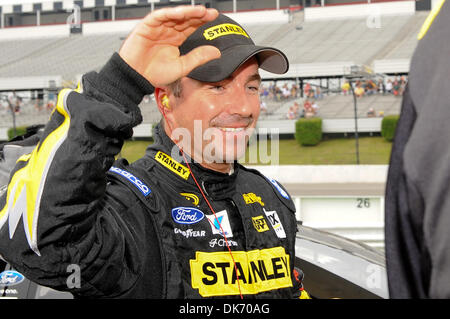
(391, 66)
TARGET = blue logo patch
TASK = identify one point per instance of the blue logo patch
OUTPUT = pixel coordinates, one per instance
(187, 215)
(11, 278)
(278, 187)
(133, 179)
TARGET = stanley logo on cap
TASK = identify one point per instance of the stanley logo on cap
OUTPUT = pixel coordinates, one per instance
(223, 29)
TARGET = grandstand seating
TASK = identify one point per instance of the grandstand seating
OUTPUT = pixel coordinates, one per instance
(345, 40)
(316, 42)
(310, 45)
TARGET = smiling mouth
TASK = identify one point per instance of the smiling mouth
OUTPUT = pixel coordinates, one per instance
(232, 129)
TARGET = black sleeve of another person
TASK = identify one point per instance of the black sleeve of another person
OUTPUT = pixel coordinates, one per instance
(405, 258)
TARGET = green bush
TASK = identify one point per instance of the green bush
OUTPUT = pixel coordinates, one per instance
(388, 126)
(308, 132)
(20, 130)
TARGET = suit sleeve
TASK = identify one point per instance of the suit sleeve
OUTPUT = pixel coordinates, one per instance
(57, 210)
(406, 258)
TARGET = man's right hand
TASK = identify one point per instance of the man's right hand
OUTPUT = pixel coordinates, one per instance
(152, 47)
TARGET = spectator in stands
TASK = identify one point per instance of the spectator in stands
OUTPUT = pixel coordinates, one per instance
(396, 87)
(359, 90)
(14, 102)
(318, 93)
(389, 86)
(264, 92)
(402, 85)
(307, 105)
(294, 90)
(381, 87)
(263, 107)
(371, 87)
(345, 88)
(291, 113)
(307, 90)
(277, 93)
(308, 109)
(50, 101)
(286, 93)
(296, 108)
(371, 112)
(315, 107)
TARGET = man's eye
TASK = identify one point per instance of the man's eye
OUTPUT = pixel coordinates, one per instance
(217, 87)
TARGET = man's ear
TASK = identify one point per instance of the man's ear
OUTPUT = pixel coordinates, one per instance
(162, 97)
(162, 100)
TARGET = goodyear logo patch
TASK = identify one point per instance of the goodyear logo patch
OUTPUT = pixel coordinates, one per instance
(223, 29)
(213, 274)
(172, 165)
(260, 224)
(251, 198)
(133, 179)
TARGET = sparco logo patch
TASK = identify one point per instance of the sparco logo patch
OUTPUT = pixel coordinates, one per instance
(133, 179)
(213, 274)
(223, 29)
(187, 215)
(172, 165)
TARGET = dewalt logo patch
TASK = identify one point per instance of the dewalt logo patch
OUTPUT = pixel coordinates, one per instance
(260, 224)
(213, 274)
(172, 165)
(223, 29)
(251, 198)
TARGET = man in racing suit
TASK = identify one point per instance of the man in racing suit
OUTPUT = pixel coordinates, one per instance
(167, 225)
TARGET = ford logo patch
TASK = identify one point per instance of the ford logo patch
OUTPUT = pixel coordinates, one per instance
(187, 215)
(10, 278)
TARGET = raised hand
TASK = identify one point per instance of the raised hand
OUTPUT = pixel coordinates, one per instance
(152, 47)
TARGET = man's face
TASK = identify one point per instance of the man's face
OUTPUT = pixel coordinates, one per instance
(219, 116)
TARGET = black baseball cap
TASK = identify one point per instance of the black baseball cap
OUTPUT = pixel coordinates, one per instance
(236, 48)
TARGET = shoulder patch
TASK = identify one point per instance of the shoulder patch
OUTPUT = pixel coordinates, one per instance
(144, 189)
(279, 188)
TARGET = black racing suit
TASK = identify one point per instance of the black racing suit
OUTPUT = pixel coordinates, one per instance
(139, 230)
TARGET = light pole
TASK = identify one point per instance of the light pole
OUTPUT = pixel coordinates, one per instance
(355, 109)
(12, 108)
(357, 72)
